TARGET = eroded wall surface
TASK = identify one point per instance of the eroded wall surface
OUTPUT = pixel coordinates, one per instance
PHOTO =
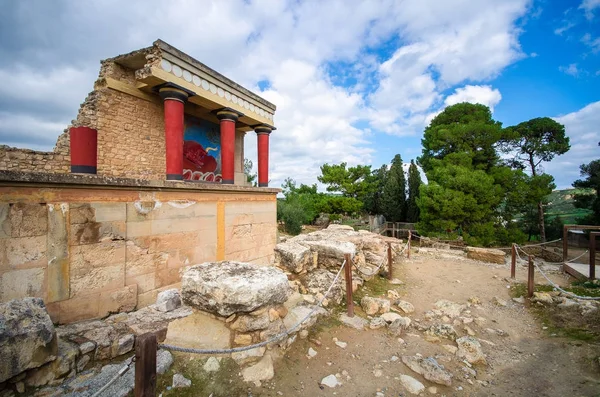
(89, 252)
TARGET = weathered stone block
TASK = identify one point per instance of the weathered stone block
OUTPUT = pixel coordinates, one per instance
(22, 283)
(97, 279)
(28, 220)
(82, 213)
(80, 308)
(485, 254)
(117, 301)
(110, 212)
(293, 256)
(230, 287)
(26, 251)
(173, 209)
(5, 221)
(27, 336)
(96, 232)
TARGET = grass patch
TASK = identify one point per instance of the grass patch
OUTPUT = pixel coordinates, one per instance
(377, 286)
(564, 322)
(224, 382)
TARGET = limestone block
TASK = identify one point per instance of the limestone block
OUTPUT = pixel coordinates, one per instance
(96, 232)
(208, 332)
(230, 287)
(18, 284)
(331, 252)
(485, 254)
(27, 336)
(168, 300)
(28, 220)
(118, 300)
(174, 209)
(80, 308)
(109, 212)
(293, 256)
(5, 226)
(82, 213)
(97, 279)
(65, 362)
(429, 368)
(26, 251)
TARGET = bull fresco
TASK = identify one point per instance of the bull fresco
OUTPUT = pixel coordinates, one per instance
(201, 150)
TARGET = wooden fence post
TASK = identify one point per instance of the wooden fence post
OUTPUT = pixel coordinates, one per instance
(390, 261)
(513, 262)
(592, 250)
(145, 365)
(409, 243)
(348, 274)
(530, 278)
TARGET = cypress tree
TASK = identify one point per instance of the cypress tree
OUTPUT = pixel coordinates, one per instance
(414, 182)
(394, 192)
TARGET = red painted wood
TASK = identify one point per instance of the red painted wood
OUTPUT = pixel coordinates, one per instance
(84, 146)
(227, 150)
(263, 159)
(174, 136)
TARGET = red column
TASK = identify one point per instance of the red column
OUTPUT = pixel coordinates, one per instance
(174, 100)
(84, 150)
(227, 117)
(262, 133)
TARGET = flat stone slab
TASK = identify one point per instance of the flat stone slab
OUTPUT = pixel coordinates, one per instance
(485, 254)
(229, 287)
(355, 322)
(198, 331)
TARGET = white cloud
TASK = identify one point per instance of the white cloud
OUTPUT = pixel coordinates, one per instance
(483, 94)
(571, 70)
(566, 26)
(593, 43)
(582, 128)
(290, 44)
(588, 7)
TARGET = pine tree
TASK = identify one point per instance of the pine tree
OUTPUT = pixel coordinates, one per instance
(394, 192)
(414, 182)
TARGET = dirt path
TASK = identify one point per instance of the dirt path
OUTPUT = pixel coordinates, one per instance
(523, 359)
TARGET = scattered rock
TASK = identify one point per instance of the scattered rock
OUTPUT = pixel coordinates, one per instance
(520, 299)
(377, 322)
(164, 360)
(242, 339)
(469, 349)
(449, 308)
(393, 294)
(330, 381)
(390, 317)
(168, 300)
(442, 331)
(432, 390)
(249, 323)
(411, 385)
(181, 381)
(405, 306)
(542, 297)
(212, 365)
(341, 344)
(311, 352)
(373, 306)
(396, 281)
(469, 331)
(499, 302)
(263, 370)
(27, 336)
(398, 326)
(248, 356)
(355, 322)
(486, 254)
(474, 300)
(82, 362)
(229, 287)
(429, 368)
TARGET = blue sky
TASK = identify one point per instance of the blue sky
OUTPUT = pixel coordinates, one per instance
(354, 81)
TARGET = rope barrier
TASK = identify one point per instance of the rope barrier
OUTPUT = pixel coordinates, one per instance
(264, 343)
(380, 264)
(554, 285)
(549, 263)
(121, 372)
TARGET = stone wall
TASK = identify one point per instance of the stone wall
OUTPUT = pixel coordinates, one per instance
(91, 251)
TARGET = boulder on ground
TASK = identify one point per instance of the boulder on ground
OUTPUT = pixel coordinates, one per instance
(429, 368)
(412, 385)
(374, 305)
(27, 336)
(542, 297)
(229, 287)
(469, 349)
(168, 300)
(485, 254)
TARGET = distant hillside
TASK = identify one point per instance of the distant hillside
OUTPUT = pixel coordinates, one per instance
(561, 203)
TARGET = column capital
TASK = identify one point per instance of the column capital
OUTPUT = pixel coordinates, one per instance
(263, 129)
(170, 91)
(228, 114)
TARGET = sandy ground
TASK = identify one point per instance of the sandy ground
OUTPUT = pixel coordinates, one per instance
(526, 361)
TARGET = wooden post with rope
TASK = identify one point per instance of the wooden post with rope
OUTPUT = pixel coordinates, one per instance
(348, 276)
(513, 262)
(145, 365)
(408, 246)
(530, 277)
(592, 250)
